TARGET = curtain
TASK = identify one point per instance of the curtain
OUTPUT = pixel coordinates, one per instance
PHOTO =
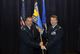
(68, 12)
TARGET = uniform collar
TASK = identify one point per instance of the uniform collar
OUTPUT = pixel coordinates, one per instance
(28, 27)
(54, 26)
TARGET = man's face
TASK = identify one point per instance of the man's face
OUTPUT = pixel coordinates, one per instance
(53, 21)
(28, 22)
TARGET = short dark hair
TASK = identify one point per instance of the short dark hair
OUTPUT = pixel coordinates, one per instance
(53, 16)
(28, 17)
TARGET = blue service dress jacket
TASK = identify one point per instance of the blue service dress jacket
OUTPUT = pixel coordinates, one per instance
(54, 36)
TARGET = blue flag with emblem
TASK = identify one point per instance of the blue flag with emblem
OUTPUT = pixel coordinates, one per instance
(36, 16)
(37, 20)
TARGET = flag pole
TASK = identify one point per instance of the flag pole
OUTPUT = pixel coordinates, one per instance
(39, 29)
(41, 41)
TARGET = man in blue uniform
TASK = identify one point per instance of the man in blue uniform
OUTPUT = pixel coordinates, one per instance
(54, 36)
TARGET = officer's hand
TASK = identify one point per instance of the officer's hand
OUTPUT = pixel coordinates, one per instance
(41, 43)
(43, 47)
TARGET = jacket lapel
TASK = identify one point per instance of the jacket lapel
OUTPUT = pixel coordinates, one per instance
(29, 32)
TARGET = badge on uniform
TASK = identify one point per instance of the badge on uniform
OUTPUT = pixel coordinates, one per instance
(53, 33)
